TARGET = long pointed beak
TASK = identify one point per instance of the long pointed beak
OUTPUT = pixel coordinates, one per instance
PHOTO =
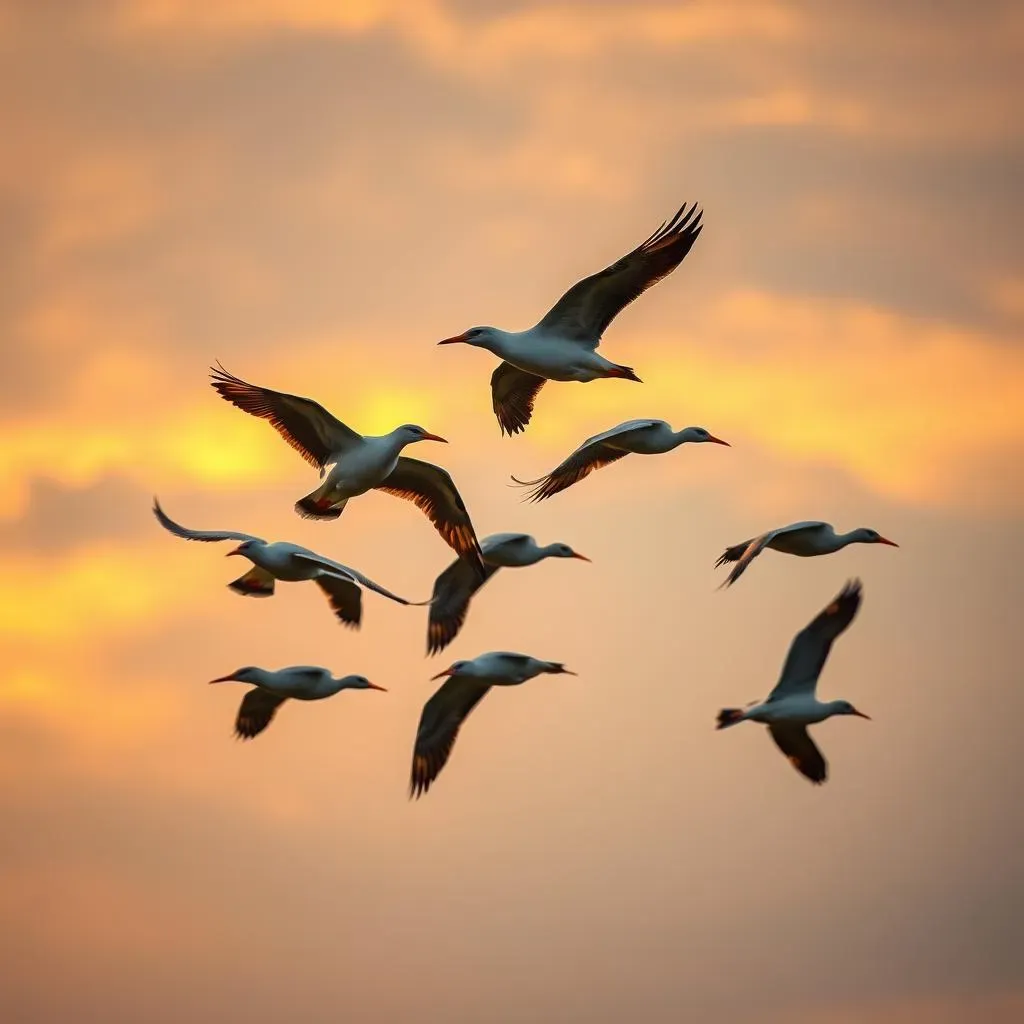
(453, 341)
(435, 437)
(885, 540)
(860, 714)
(374, 686)
(446, 672)
(234, 551)
(718, 440)
(582, 558)
(224, 679)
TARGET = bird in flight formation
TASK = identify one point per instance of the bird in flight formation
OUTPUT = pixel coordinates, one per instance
(561, 347)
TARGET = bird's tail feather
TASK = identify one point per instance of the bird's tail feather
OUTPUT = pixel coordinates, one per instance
(312, 507)
(729, 716)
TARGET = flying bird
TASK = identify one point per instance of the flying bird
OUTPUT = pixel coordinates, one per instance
(638, 437)
(272, 688)
(792, 705)
(563, 346)
(289, 563)
(467, 684)
(804, 539)
(357, 464)
(455, 587)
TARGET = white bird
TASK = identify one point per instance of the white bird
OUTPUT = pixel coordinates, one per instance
(792, 705)
(358, 464)
(289, 563)
(563, 346)
(636, 437)
(273, 688)
(804, 539)
(466, 686)
(455, 587)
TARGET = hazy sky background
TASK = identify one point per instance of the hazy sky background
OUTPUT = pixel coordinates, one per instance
(315, 192)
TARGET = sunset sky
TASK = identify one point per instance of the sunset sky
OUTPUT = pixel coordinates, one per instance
(315, 192)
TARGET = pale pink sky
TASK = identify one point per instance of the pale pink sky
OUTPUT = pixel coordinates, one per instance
(315, 192)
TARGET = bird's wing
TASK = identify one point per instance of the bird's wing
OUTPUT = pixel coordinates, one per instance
(306, 425)
(353, 575)
(741, 550)
(588, 307)
(206, 535)
(810, 647)
(594, 453)
(345, 597)
(513, 392)
(804, 756)
(432, 490)
(439, 726)
(453, 590)
(255, 712)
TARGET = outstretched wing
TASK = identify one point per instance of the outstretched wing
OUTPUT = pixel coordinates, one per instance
(345, 597)
(810, 647)
(513, 392)
(588, 307)
(439, 726)
(453, 590)
(797, 745)
(255, 713)
(343, 571)
(306, 425)
(206, 535)
(433, 491)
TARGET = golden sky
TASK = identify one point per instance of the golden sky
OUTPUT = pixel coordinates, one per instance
(315, 192)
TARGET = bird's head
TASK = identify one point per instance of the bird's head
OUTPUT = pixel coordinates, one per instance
(478, 337)
(698, 435)
(564, 551)
(245, 548)
(240, 675)
(457, 668)
(869, 536)
(844, 707)
(410, 433)
(360, 683)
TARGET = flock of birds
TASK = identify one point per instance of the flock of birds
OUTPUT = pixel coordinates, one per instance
(563, 346)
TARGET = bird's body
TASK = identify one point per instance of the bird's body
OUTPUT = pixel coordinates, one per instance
(805, 539)
(467, 684)
(634, 437)
(455, 587)
(351, 464)
(563, 345)
(271, 688)
(289, 563)
(793, 704)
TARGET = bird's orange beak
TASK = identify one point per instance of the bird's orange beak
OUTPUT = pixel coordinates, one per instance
(435, 437)
(374, 686)
(455, 340)
(885, 540)
(718, 440)
(234, 551)
(446, 672)
(860, 714)
(582, 558)
(224, 679)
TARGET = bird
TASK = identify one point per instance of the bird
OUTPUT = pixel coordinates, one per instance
(357, 464)
(272, 688)
(466, 685)
(455, 587)
(563, 345)
(639, 437)
(804, 539)
(792, 705)
(289, 563)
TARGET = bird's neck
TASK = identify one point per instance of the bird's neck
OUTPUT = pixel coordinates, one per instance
(548, 551)
(504, 343)
(679, 437)
(842, 539)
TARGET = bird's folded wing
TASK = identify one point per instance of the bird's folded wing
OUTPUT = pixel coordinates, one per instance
(306, 425)
(513, 392)
(798, 746)
(256, 711)
(207, 535)
(432, 490)
(588, 307)
(810, 647)
(439, 726)
(345, 598)
(750, 552)
(581, 463)
(453, 590)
